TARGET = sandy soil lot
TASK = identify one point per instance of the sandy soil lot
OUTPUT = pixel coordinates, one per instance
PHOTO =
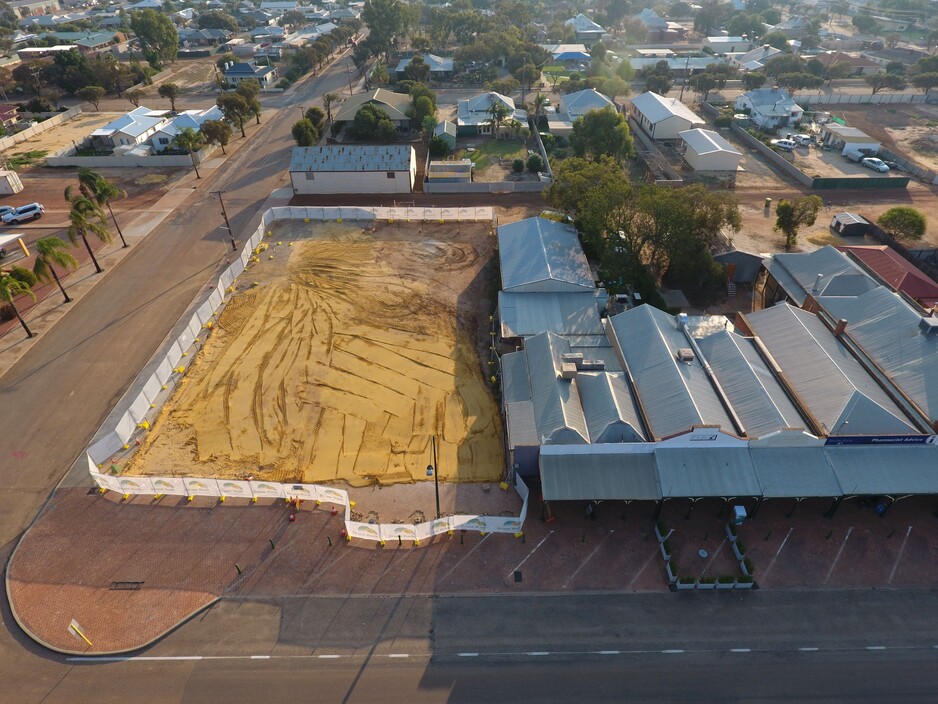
(191, 75)
(338, 358)
(911, 130)
(63, 135)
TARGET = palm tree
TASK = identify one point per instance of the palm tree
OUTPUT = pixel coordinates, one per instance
(541, 101)
(191, 141)
(9, 288)
(93, 185)
(499, 113)
(328, 100)
(49, 251)
(85, 218)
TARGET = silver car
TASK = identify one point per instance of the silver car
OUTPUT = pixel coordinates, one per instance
(24, 213)
(872, 162)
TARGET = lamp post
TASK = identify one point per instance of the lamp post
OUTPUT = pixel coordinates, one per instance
(234, 247)
(432, 472)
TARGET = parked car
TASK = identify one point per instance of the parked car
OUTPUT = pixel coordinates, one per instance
(4, 209)
(33, 211)
(872, 162)
(784, 144)
(803, 139)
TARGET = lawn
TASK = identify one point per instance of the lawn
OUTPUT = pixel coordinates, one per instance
(492, 149)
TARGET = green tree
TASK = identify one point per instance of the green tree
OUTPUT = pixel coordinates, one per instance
(10, 288)
(792, 215)
(601, 133)
(135, 95)
(191, 141)
(49, 251)
(217, 132)
(371, 122)
(658, 83)
(438, 147)
(535, 163)
(428, 124)
(838, 71)
(91, 94)
(249, 90)
(517, 166)
(96, 187)
(235, 109)
(170, 91)
(598, 52)
(86, 218)
(702, 83)
(625, 71)
(776, 40)
(423, 107)
(386, 23)
(305, 133)
(745, 24)
(157, 35)
(317, 116)
(885, 81)
(784, 63)
(866, 24)
(925, 81)
(218, 20)
(417, 70)
(328, 100)
(753, 80)
(904, 223)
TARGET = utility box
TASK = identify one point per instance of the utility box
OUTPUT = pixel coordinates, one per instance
(739, 515)
(10, 183)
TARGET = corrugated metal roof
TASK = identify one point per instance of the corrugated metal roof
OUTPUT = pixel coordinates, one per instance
(602, 473)
(582, 101)
(515, 386)
(542, 255)
(899, 273)
(352, 158)
(798, 273)
(894, 469)
(747, 265)
(724, 471)
(557, 410)
(657, 108)
(827, 378)
(757, 396)
(608, 403)
(394, 104)
(707, 142)
(887, 328)
(527, 314)
(675, 395)
(522, 428)
(794, 472)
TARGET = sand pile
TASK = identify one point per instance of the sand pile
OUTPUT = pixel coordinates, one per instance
(339, 365)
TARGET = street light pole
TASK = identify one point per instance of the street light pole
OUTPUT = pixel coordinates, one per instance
(432, 469)
(224, 213)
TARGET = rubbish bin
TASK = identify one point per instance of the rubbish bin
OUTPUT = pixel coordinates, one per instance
(768, 203)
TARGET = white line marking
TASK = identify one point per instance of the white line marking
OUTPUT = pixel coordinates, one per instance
(468, 655)
(839, 552)
(808, 650)
(740, 650)
(588, 558)
(642, 568)
(398, 655)
(608, 652)
(899, 556)
(511, 572)
(260, 657)
(328, 657)
(465, 557)
(672, 652)
(775, 556)
(538, 653)
(876, 647)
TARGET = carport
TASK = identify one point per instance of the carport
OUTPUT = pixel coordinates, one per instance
(794, 472)
(895, 471)
(718, 472)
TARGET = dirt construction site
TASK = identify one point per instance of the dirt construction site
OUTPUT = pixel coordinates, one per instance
(340, 354)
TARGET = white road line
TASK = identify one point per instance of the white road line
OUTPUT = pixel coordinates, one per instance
(839, 553)
(672, 652)
(260, 657)
(511, 572)
(644, 565)
(399, 655)
(328, 657)
(608, 652)
(468, 655)
(876, 647)
(899, 556)
(537, 653)
(465, 557)
(588, 558)
(740, 650)
(775, 556)
(808, 650)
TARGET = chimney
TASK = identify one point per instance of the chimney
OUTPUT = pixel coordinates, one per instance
(841, 326)
(817, 284)
(682, 320)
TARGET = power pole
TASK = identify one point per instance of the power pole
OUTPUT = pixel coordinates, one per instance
(234, 246)
(348, 70)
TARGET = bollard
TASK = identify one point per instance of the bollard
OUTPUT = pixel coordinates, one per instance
(238, 567)
(272, 545)
(330, 541)
(400, 542)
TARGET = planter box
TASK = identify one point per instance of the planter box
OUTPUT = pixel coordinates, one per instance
(672, 577)
(664, 553)
(682, 586)
(743, 585)
(729, 533)
(744, 569)
(706, 585)
(726, 585)
(739, 555)
(661, 538)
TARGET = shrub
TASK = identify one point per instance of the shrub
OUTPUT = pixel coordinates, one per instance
(6, 312)
(745, 579)
(517, 166)
(741, 547)
(708, 580)
(749, 566)
(726, 579)
(39, 105)
(723, 121)
(438, 146)
(535, 163)
(686, 580)
(24, 275)
(661, 527)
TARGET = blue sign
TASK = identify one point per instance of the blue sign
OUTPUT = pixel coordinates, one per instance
(881, 440)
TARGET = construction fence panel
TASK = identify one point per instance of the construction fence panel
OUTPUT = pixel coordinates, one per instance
(136, 485)
(152, 389)
(202, 487)
(139, 408)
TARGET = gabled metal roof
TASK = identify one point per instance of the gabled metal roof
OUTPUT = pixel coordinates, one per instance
(797, 472)
(893, 469)
(542, 255)
(610, 411)
(675, 395)
(557, 410)
(527, 314)
(828, 379)
(798, 273)
(716, 471)
(597, 472)
(582, 101)
(756, 395)
(657, 108)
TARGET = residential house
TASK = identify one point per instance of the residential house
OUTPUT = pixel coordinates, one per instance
(663, 118)
(193, 119)
(353, 169)
(755, 59)
(87, 42)
(440, 68)
(848, 139)
(446, 131)
(584, 29)
(203, 37)
(727, 45)
(396, 105)
(267, 34)
(903, 55)
(279, 7)
(568, 55)
(706, 150)
(473, 115)
(770, 108)
(236, 73)
(147, 5)
(793, 27)
(131, 129)
(26, 8)
(9, 116)
(660, 29)
(861, 65)
(183, 17)
(450, 171)
(573, 106)
(344, 15)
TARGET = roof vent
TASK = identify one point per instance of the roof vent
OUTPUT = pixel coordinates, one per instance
(568, 370)
(928, 325)
(685, 354)
(817, 284)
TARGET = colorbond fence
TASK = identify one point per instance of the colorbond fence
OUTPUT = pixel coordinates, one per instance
(171, 362)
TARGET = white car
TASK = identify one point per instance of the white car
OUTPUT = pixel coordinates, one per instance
(33, 211)
(4, 209)
(803, 139)
(872, 162)
(784, 144)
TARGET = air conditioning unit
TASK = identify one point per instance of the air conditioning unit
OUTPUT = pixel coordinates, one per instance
(685, 354)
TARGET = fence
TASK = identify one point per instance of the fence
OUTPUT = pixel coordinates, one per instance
(170, 363)
(157, 161)
(486, 187)
(860, 98)
(926, 175)
(45, 125)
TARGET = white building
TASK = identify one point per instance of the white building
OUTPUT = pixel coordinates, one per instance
(236, 73)
(473, 115)
(585, 29)
(755, 59)
(129, 130)
(848, 139)
(193, 119)
(573, 106)
(663, 118)
(706, 150)
(727, 45)
(353, 169)
(770, 108)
